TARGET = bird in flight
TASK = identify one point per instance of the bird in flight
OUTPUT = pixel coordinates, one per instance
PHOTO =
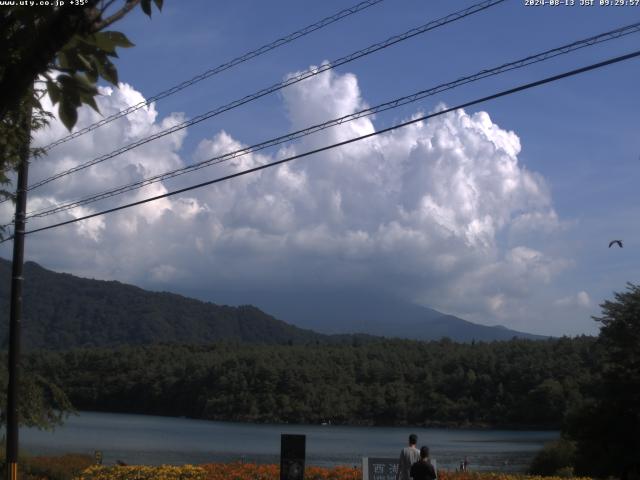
(613, 242)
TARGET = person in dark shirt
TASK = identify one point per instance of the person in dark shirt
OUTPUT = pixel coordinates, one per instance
(422, 469)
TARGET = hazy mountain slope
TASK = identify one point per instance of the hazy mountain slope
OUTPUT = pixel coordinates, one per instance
(64, 311)
(376, 314)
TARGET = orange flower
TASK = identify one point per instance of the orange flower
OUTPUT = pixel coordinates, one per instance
(252, 471)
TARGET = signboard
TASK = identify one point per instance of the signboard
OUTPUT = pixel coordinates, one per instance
(379, 468)
(292, 455)
(382, 468)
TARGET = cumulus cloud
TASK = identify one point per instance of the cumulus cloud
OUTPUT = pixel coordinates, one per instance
(149, 159)
(580, 300)
(417, 212)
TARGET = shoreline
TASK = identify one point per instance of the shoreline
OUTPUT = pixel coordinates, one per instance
(461, 426)
(154, 440)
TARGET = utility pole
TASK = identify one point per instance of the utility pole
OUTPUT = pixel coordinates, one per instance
(17, 279)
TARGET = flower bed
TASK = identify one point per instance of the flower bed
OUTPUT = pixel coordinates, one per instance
(164, 472)
(446, 475)
(213, 471)
(251, 471)
(67, 467)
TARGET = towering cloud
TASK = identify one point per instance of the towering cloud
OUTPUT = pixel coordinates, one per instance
(421, 212)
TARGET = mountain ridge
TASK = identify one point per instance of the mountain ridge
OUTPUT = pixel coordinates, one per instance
(63, 311)
(340, 312)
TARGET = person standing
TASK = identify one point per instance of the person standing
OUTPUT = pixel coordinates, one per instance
(408, 456)
(422, 469)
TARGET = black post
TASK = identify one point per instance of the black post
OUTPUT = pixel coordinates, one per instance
(292, 456)
(16, 305)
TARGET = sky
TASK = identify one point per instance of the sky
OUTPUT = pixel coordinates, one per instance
(500, 213)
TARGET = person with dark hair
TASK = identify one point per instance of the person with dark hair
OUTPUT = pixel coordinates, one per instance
(408, 456)
(422, 469)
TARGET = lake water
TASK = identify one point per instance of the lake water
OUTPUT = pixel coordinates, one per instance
(143, 439)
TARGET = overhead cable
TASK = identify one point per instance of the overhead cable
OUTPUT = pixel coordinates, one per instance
(279, 86)
(523, 62)
(346, 142)
(220, 68)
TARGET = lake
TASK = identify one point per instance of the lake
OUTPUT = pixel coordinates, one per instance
(144, 439)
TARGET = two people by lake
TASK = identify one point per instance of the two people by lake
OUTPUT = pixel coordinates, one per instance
(415, 464)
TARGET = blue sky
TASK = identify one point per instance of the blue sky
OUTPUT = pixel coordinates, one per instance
(578, 147)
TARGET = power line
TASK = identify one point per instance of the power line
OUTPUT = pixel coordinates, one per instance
(532, 59)
(220, 68)
(346, 142)
(279, 86)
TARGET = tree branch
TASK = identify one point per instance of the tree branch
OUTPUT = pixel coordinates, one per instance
(105, 6)
(128, 6)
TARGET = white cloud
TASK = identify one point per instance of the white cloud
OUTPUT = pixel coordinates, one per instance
(149, 159)
(416, 212)
(164, 273)
(580, 300)
(90, 228)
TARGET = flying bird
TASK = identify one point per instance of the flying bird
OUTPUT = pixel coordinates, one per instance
(613, 242)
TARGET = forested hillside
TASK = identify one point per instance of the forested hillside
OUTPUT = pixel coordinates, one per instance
(517, 383)
(63, 311)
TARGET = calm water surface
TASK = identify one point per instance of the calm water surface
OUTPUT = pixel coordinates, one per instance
(144, 439)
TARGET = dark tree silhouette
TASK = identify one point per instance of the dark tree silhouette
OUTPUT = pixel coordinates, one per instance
(607, 427)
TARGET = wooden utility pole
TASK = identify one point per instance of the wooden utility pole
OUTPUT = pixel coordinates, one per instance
(15, 317)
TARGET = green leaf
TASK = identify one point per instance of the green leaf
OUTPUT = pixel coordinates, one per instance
(92, 76)
(83, 84)
(73, 43)
(63, 60)
(71, 59)
(108, 41)
(94, 72)
(103, 42)
(120, 39)
(68, 113)
(65, 81)
(85, 61)
(108, 72)
(87, 42)
(54, 91)
(89, 100)
(146, 6)
(69, 93)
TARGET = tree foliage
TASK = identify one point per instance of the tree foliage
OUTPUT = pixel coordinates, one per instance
(387, 382)
(554, 458)
(41, 404)
(62, 51)
(607, 427)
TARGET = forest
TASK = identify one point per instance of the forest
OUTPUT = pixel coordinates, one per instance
(518, 383)
(587, 387)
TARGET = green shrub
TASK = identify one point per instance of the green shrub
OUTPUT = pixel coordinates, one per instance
(555, 459)
(565, 472)
(65, 467)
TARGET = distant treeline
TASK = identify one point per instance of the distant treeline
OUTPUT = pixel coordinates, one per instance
(518, 383)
